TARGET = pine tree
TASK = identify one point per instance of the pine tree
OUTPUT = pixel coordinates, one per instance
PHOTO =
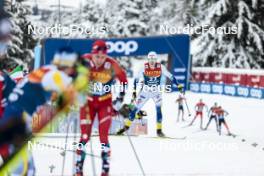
(90, 19)
(129, 17)
(22, 43)
(240, 42)
(94, 18)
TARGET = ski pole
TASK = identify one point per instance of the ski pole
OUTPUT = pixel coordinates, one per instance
(187, 107)
(92, 158)
(65, 147)
(136, 155)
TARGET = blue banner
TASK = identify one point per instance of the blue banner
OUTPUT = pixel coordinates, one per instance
(176, 46)
(231, 90)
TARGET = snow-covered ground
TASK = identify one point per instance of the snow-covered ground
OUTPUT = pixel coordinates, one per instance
(202, 153)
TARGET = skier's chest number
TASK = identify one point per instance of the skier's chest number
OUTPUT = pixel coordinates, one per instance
(153, 79)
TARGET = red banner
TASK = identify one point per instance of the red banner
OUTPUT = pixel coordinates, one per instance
(253, 81)
(250, 80)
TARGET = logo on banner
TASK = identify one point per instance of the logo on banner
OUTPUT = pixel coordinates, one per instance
(122, 47)
(180, 70)
(180, 77)
(242, 91)
(205, 88)
(256, 93)
(218, 76)
(217, 89)
(230, 90)
(255, 79)
(195, 87)
(197, 76)
(206, 76)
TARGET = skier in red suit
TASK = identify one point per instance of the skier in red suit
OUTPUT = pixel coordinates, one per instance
(199, 108)
(103, 71)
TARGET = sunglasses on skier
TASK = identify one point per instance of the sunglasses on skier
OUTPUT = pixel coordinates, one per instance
(100, 48)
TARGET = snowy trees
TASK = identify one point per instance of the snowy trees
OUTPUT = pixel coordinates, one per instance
(243, 48)
(239, 42)
(22, 43)
(129, 17)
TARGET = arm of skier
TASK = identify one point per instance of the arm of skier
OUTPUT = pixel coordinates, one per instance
(166, 73)
(138, 77)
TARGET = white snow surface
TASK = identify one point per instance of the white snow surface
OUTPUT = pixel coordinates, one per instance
(203, 153)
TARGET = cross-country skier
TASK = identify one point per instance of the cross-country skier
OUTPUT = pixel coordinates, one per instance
(212, 116)
(199, 108)
(32, 92)
(154, 76)
(221, 114)
(180, 101)
(103, 71)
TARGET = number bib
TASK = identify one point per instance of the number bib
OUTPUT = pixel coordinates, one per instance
(152, 77)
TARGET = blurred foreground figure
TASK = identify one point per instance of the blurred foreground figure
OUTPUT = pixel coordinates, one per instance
(55, 81)
(6, 83)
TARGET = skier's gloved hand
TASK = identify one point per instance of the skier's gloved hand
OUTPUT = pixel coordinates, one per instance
(125, 110)
(121, 97)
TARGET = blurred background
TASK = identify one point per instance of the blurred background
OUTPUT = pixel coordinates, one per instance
(130, 18)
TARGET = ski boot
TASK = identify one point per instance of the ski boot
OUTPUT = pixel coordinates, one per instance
(80, 157)
(229, 133)
(122, 130)
(160, 133)
(78, 174)
(79, 170)
(105, 159)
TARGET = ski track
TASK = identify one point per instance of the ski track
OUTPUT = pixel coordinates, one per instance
(203, 153)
